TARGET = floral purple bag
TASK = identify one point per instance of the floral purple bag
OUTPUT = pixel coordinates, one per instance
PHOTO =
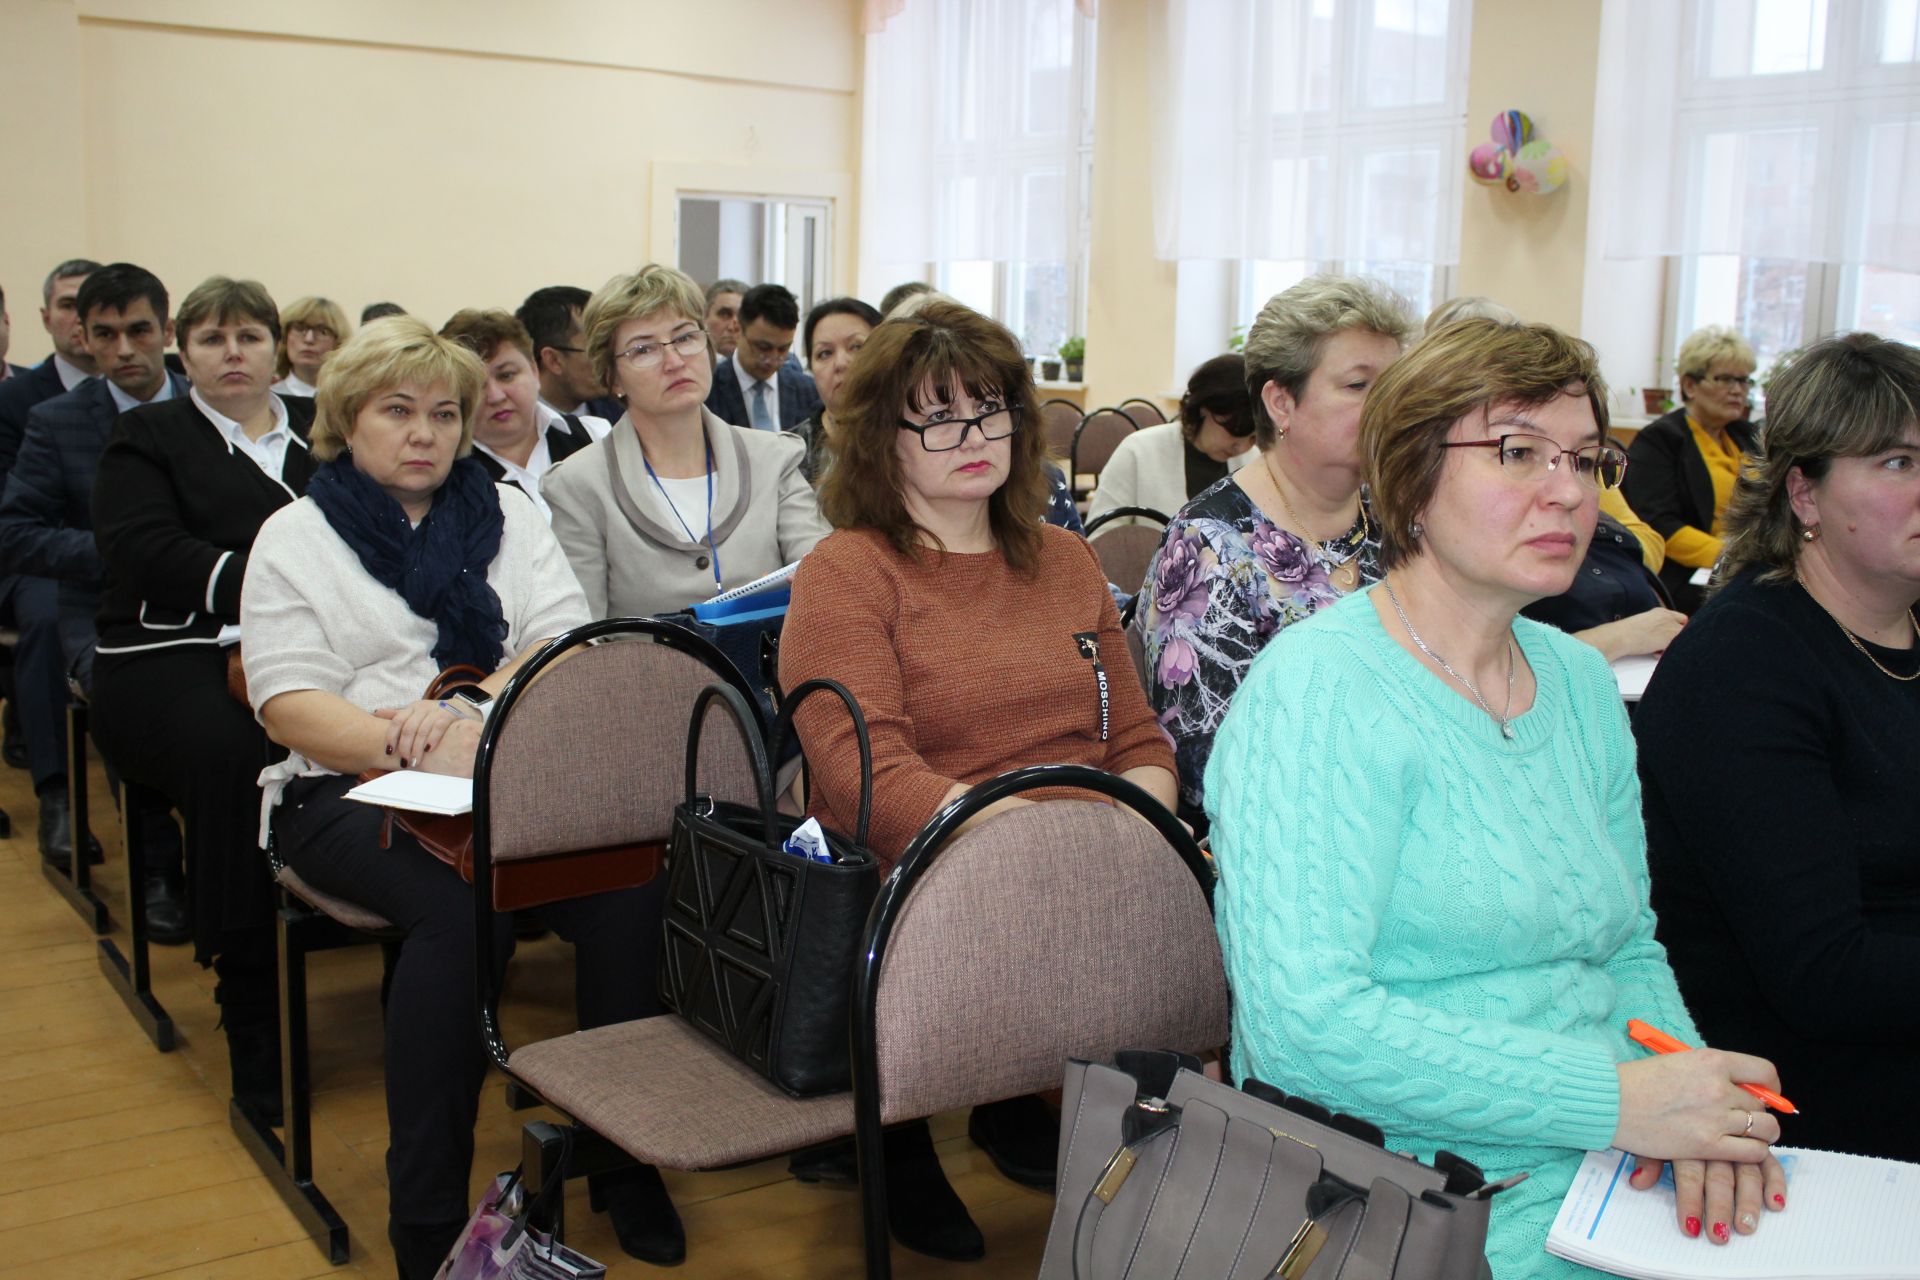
(500, 1244)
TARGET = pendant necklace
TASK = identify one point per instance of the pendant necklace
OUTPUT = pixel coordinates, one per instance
(1506, 716)
(1346, 576)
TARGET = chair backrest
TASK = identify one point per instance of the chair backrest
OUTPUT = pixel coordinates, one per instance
(1125, 550)
(1144, 412)
(592, 753)
(1096, 440)
(1060, 419)
(1137, 650)
(1069, 929)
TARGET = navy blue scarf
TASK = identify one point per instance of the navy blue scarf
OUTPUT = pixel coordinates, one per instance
(439, 569)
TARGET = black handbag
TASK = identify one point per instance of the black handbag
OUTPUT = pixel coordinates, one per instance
(758, 944)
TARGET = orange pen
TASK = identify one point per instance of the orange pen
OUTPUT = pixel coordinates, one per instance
(1652, 1037)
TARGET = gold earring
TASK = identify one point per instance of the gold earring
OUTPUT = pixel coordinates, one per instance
(1810, 533)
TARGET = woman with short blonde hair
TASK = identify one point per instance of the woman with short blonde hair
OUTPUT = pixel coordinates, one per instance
(1287, 534)
(1787, 898)
(1433, 878)
(675, 506)
(310, 330)
(1685, 463)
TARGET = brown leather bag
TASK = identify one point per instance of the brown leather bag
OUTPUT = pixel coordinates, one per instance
(528, 882)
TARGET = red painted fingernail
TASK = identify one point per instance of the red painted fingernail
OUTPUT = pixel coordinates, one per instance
(429, 746)
(1720, 1232)
(1779, 1201)
(1693, 1226)
(389, 750)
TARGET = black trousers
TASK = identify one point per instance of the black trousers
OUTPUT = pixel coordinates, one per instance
(165, 719)
(39, 676)
(434, 1058)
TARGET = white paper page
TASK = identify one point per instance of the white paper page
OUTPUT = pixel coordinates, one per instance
(418, 791)
(1846, 1216)
(1633, 673)
(773, 579)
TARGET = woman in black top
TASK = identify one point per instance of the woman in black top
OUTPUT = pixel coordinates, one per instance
(183, 486)
(834, 333)
(1780, 757)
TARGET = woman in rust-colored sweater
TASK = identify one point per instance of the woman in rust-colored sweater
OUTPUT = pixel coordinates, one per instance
(975, 638)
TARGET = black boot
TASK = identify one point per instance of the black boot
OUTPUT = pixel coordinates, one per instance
(923, 1211)
(56, 827)
(1022, 1138)
(249, 998)
(13, 744)
(165, 907)
(644, 1219)
(418, 1251)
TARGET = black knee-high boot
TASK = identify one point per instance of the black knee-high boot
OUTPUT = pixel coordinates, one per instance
(249, 998)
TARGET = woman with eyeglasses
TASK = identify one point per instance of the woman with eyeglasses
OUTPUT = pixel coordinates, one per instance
(310, 331)
(977, 640)
(675, 506)
(1433, 899)
(1685, 464)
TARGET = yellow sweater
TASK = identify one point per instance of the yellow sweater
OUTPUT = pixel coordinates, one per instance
(1700, 548)
(1653, 548)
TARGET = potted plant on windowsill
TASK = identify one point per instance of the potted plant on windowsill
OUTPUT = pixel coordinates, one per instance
(1074, 352)
(1657, 400)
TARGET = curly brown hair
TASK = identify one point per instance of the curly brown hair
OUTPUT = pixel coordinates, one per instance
(943, 347)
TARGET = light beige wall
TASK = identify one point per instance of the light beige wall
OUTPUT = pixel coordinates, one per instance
(1130, 294)
(1530, 252)
(438, 153)
(40, 132)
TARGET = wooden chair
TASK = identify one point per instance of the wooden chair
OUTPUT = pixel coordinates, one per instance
(1094, 442)
(1145, 412)
(957, 1001)
(1125, 540)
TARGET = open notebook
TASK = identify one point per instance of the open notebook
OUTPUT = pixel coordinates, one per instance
(418, 791)
(1847, 1217)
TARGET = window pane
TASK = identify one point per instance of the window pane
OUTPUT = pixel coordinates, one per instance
(1261, 280)
(1417, 282)
(1899, 35)
(1764, 298)
(968, 282)
(1299, 36)
(1764, 37)
(1038, 305)
(1403, 54)
(1887, 303)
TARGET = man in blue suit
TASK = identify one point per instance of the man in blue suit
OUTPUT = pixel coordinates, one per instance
(65, 369)
(755, 387)
(46, 522)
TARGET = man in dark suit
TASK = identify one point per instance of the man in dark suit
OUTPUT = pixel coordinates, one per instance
(68, 366)
(46, 524)
(6, 341)
(755, 387)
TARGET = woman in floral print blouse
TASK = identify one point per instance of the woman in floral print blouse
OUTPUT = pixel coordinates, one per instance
(1269, 545)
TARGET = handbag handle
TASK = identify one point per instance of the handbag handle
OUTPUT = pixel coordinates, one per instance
(749, 722)
(535, 1210)
(783, 725)
(453, 677)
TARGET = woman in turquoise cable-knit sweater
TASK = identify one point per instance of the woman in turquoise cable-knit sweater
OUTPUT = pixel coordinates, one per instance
(1433, 886)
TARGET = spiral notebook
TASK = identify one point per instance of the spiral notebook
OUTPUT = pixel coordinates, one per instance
(1847, 1218)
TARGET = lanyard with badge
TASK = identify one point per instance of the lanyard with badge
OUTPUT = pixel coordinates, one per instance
(712, 550)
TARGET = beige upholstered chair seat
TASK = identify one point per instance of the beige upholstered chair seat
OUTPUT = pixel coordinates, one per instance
(667, 1095)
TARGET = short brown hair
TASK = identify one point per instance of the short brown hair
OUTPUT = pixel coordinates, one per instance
(1850, 396)
(221, 299)
(482, 332)
(392, 352)
(1464, 366)
(945, 345)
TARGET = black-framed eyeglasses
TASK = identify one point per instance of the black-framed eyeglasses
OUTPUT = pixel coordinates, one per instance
(1529, 457)
(1740, 380)
(645, 355)
(950, 433)
(311, 330)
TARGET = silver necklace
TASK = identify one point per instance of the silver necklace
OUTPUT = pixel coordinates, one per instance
(1505, 717)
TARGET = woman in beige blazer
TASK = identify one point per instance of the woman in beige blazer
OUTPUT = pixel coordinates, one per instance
(675, 505)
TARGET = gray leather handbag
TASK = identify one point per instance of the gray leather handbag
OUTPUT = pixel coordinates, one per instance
(1166, 1173)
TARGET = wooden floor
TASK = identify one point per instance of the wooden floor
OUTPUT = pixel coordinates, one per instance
(118, 1161)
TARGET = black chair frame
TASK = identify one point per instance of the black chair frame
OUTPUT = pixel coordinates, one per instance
(1073, 460)
(914, 863)
(1127, 513)
(1159, 415)
(75, 880)
(131, 974)
(544, 1144)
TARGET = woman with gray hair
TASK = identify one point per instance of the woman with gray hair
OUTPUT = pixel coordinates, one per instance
(1779, 743)
(1685, 463)
(1285, 535)
(675, 505)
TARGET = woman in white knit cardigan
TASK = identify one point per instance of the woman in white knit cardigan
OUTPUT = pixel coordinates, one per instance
(1162, 467)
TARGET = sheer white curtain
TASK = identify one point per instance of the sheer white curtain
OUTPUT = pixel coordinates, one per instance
(971, 140)
(1314, 130)
(1772, 129)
